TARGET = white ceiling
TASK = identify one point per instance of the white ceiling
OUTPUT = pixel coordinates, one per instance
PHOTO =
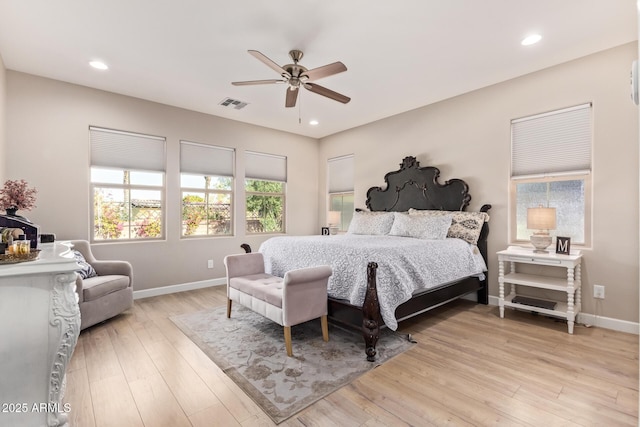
(400, 55)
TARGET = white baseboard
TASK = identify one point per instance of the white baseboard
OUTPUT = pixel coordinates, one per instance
(597, 321)
(164, 290)
(584, 318)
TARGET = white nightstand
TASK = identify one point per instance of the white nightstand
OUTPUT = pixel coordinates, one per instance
(571, 285)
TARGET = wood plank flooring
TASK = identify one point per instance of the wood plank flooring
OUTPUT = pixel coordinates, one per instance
(469, 368)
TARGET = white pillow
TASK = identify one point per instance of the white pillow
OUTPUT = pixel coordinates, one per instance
(374, 223)
(464, 225)
(421, 227)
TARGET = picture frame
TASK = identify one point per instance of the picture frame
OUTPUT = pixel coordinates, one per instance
(324, 231)
(563, 245)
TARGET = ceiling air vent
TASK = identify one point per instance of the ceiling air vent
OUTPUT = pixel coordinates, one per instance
(233, 103)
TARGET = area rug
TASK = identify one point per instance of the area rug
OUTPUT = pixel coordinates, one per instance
(250, 350)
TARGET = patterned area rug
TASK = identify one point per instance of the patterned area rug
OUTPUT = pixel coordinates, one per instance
(250, 350)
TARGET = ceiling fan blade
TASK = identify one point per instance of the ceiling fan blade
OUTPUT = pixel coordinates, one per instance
(320, 90)
(292, 96)
(257, 82)
(269, 63)
(325, 71)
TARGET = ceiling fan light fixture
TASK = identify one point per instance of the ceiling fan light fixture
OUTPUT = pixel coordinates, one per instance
(296, 75)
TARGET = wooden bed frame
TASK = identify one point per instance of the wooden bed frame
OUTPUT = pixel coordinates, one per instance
(414, 187)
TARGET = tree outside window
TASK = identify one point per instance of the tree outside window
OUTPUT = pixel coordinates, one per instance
(264, 206)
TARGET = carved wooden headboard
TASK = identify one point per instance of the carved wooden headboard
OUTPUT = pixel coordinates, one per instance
(417, 187)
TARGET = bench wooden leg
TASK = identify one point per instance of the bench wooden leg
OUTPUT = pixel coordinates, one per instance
(325, 327)
(229, 308)
(287, 340)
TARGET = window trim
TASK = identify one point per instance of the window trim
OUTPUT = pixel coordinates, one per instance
(577, 117)
(255, 193)
(162, 189)
(191, 156)
(127, 151)
(207, 192)
(585, 176)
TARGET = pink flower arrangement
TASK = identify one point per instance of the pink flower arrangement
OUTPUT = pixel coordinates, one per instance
(17, 195)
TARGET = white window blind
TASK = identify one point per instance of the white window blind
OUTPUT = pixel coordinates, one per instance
(267, 167)
(206, 159)
(551, 143)
(341, 173)
(126, 150)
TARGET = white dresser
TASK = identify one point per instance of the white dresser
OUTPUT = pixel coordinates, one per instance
(39, 328)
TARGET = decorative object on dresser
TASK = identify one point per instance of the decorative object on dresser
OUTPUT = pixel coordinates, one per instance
(17, 225)
(571, 286)
(369, 240)
(247, 347)
(105, 288)
(15, 195)
(541, 219)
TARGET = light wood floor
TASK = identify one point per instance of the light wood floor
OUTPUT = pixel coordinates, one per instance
(469, 368)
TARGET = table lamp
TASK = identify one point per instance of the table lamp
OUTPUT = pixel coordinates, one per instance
(334, 221)
(541, 219)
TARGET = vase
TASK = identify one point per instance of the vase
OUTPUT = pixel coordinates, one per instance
(13, 212)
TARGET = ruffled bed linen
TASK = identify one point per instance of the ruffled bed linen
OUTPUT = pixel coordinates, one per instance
(405, 265)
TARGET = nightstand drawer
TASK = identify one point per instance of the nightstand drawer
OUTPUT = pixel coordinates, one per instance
(531, 260)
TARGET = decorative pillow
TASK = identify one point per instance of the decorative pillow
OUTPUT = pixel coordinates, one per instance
(374, 223)
(421, 226)
(86, 270)
(464, 225)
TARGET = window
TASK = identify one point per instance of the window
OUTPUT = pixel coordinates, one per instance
(206, 180)
(265, 181)
(127, 185)
(551, 166)
(340, 171)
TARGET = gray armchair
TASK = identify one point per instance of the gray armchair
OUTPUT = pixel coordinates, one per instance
(107, 294)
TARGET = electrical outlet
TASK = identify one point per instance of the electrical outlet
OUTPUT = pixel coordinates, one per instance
(598, 291)
(210, 263)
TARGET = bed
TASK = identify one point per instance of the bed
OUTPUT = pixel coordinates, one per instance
(384, 274)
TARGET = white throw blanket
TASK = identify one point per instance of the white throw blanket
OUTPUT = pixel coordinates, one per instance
(405, 265)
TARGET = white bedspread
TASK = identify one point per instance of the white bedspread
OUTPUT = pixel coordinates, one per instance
(405, 265)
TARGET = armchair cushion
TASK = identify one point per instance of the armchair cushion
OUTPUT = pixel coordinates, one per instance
(99, 286)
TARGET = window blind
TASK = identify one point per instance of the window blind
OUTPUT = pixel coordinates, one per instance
(126, 150)
(268, 167)
(552, 143)
(340, 171)
(205, 159)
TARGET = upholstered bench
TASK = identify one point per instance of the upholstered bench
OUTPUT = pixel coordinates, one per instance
(299, 296)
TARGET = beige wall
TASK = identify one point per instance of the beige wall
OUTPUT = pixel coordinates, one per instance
(48, 145)
(3, 126)
(468, 137)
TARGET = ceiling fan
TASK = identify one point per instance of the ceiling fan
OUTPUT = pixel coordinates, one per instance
(295, 75)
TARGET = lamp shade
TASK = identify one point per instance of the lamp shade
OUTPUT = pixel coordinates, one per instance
(541, 218)
(334, 217)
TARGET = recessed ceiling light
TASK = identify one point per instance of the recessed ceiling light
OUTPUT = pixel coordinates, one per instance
(313, 122)
(99, 65)
(532, 39)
